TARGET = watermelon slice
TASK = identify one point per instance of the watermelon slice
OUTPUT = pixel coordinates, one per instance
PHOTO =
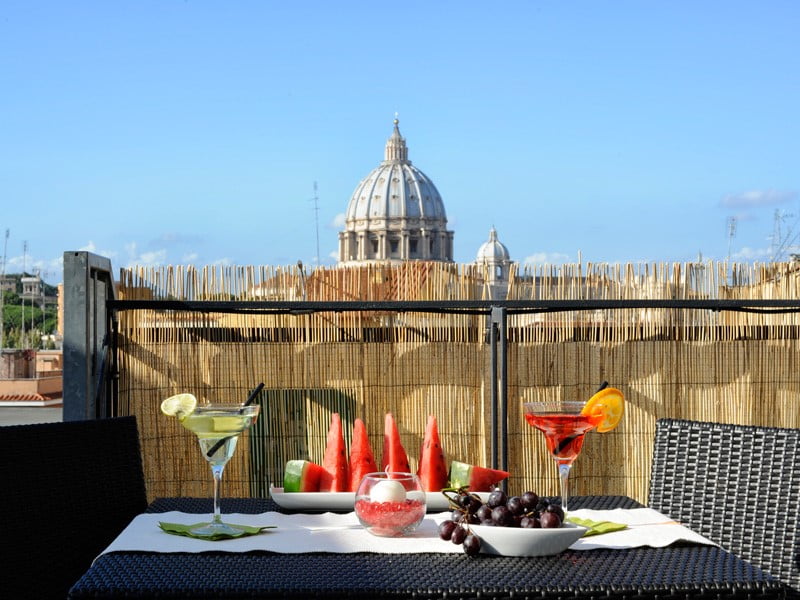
(336, 477)
(394, 457)
(477, 479)
(432, 469)
(362, 460)
(302, 476)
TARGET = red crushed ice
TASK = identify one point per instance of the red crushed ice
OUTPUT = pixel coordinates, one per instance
(390, 516)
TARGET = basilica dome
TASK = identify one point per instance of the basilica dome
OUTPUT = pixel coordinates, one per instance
(395, 213)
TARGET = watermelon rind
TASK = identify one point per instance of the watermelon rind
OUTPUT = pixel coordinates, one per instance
(474, 477)
(296, 476)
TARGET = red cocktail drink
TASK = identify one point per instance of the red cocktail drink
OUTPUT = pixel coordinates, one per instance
(563, 426)
(563, 432)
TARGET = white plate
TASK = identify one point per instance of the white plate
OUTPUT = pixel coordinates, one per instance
(320, 501)
(513, 541)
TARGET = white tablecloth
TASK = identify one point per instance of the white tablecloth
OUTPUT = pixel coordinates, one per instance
(331, 532)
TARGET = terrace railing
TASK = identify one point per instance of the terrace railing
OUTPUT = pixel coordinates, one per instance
(106, 342)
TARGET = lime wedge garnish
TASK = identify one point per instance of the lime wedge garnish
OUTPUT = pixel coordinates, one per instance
(179, 405)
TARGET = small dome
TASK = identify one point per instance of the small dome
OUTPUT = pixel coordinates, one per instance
(493, 250)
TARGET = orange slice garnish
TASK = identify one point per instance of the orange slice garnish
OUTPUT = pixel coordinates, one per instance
(608, 402)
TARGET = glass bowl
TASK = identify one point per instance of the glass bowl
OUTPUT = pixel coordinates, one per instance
(390, 504)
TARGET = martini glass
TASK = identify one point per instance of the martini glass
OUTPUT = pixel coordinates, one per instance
(564, 426)
(217, 427)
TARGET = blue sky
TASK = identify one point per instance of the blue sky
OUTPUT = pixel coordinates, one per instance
(176, 132)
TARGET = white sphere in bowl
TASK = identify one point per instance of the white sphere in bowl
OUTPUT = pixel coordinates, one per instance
(387, 490)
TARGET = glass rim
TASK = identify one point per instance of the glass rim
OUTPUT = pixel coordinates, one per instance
(554, 405)
(391, 474)
(226, 406)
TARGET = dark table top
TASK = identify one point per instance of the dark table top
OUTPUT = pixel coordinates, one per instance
(679, 571)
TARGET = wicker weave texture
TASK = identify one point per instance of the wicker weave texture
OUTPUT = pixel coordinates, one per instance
(685, 573)
(737, 485)
(68, 490)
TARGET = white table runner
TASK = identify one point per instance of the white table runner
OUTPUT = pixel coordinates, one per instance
(342, 533)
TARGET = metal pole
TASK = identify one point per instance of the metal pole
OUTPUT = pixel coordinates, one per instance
(495, 461)
(499, 391)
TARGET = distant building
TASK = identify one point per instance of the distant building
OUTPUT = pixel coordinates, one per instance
(32, 288)
(395, 214)
(494, 263)
(8, 284)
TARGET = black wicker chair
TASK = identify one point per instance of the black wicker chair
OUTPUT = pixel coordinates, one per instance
(737, 485)
(68, 490)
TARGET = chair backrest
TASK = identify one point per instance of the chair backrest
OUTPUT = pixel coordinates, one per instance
(737, 485)
(68, 489)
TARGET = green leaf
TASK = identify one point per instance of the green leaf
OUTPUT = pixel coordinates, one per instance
(597, 527)
(185, 530)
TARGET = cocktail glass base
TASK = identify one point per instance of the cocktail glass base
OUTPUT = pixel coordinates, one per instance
(212, 529)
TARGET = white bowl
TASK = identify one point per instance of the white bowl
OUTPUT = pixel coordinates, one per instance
(515, 541)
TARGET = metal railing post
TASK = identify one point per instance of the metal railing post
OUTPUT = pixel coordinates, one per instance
(88, 285)
(498, 344)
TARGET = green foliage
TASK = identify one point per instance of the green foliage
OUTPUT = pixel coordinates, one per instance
(10, 297)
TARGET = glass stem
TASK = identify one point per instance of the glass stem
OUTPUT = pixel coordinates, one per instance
(216, 471)
(563, 473)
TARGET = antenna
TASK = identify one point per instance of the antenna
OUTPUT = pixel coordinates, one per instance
(2, 288)
(731, 234)
(781, 242)
(316, 218)
(22, 338)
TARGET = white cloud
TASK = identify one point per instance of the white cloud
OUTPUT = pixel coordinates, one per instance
(750, 254)
(546, 258)
(222, 262)
(338, 221)
(190, 257)
(152, 258)
(755, 198)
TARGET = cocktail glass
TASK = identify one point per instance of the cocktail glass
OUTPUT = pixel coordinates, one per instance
(217, 427)
(564, 426)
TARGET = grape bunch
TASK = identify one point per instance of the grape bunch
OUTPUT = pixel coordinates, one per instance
(527, 511)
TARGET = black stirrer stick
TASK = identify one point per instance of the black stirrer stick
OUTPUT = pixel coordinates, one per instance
(250, 399)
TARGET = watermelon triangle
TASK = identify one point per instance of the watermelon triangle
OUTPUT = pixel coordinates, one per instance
(432, 469)
(362, 460)
(336, 477)
(394, 457)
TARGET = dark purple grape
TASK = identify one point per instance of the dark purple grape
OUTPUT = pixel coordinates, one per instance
(474, 504)
(457, 516)
(529, 523)
(556, 508)
(446, 529)
(501, 516)
(472, 544)
(529, 501)
(484, 513)
(514, 504)
(458, 536)
(550, 520)
(497, 498)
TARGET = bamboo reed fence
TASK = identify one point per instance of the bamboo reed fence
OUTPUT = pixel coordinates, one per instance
(704, 365)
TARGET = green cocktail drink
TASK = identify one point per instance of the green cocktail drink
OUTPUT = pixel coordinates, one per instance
(217, 427)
